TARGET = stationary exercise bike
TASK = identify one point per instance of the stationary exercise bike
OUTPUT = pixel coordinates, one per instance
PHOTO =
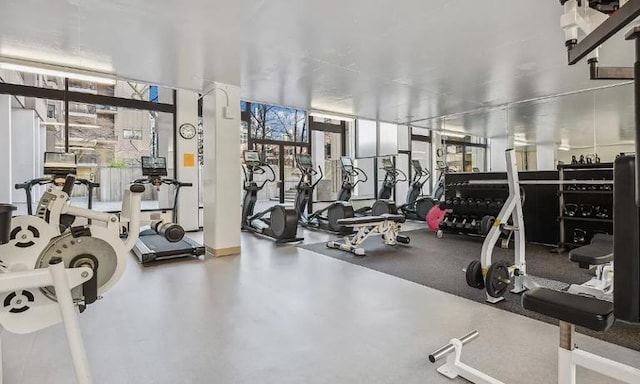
(279, 222)
(325, 219)
(49, 273)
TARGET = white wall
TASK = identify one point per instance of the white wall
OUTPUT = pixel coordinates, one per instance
(606, 153)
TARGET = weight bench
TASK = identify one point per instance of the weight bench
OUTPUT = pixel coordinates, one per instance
(599, 254)
(582, 311)
(571, 310)
(388, 225)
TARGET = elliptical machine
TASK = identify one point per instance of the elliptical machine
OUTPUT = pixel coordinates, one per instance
(351, 176)
(278, 222)
(417, 206)
(325, 219)
(392, 176)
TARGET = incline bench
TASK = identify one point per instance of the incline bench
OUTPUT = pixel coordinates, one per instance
(388, 225)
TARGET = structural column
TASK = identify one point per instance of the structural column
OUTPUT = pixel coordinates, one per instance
(187, 161)
(497, 146)
(546, 156)
(24, 141)
(6, 187)
(222, 173)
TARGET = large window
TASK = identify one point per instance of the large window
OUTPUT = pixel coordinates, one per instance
(466, 155)
(108, 126)
(271, 122)
(278, 134)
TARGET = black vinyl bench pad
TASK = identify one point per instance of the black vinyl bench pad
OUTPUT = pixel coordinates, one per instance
(583, 311)
(592, 254)
(352, 221)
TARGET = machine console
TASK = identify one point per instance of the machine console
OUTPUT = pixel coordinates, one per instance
(154, 166)
(305, 162)
(387, 165)
(59, 164)
(347, 164)
(251, 158)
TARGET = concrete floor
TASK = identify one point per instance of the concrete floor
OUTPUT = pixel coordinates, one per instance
(280, 314)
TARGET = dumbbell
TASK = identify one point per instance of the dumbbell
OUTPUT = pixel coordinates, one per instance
(460, 224)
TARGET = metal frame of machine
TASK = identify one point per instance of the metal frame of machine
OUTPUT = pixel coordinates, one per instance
(48, 276)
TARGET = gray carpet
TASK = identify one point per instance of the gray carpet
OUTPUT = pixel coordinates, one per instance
(439, 263)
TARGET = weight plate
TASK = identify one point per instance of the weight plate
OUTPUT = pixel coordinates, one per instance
(486, 223)
(497, 280)
(474, 275)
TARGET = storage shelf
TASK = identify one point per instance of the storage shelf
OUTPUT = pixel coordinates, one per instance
(590, 167)
(586, 192)
(592, 219)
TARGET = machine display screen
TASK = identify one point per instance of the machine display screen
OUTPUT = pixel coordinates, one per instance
(305, 161)
(347, 163)
(154, 166)
(387, 164)
(416, 165)
(59, 164)
(251, 157)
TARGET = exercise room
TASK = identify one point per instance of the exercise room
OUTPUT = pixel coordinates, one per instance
(319, 192)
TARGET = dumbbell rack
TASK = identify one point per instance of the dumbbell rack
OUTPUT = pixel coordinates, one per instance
(584, 184)
(469, 204)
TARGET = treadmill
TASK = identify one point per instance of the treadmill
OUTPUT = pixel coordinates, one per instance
(164, 240)
(57, 165)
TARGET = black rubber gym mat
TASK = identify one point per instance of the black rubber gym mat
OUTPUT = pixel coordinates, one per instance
(438, 263)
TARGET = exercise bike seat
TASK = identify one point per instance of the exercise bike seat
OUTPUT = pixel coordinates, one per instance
(364, 220)
(580, 310)
(592, 254)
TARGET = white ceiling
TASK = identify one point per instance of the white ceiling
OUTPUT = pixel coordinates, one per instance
(402, 60)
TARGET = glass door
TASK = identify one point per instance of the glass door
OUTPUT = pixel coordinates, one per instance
(327, 150)
(290, 174)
